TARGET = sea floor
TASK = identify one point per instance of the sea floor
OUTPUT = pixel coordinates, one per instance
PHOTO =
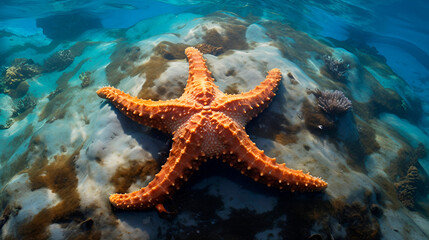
(65, 150)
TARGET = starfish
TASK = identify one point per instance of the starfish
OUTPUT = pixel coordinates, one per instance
(206, 124)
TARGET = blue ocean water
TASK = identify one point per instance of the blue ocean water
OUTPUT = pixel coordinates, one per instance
(352, 108)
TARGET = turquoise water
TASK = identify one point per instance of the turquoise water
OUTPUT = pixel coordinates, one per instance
(65, 150)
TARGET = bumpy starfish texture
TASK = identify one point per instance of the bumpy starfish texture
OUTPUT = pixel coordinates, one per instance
(206, 123)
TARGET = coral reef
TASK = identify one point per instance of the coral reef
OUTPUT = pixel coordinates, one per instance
(407, 187)
(85, 77)
(332, 102)
(336, 67)
(20, 70)
(24, 104)
(58, 61)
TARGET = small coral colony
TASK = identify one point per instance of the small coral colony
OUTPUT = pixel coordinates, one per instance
(14, 80)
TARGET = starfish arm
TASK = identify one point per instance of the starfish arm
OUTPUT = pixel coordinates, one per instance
(182, 161)
(200, 85)
(252, 161)
(245, 106)
(163, 115)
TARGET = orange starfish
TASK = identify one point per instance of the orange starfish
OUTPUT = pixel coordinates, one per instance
(206, 123)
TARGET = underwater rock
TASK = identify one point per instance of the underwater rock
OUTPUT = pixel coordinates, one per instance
(85, 77)
(336, 67)
(20, 70)
(58, 61)
(407, 187)
(67, 26)
(292, 78)
(225, 205)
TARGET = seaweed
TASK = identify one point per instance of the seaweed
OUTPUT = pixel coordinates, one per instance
(127, 175)
(122, 63)
(60, 177)
(233, 37)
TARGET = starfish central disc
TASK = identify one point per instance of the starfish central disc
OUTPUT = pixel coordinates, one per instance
(206, 123)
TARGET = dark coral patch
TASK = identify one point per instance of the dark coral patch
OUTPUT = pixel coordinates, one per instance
(316, 121)
(274, 126)
(358, 220)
